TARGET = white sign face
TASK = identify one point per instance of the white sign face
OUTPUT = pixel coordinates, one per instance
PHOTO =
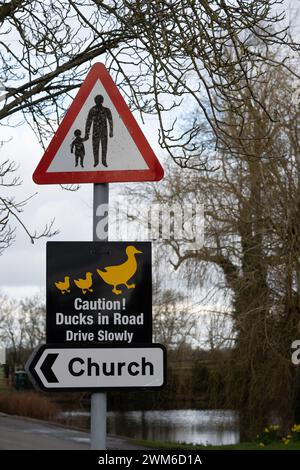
(2, 356)
(90, 368)
(98, 140)
(116, 149)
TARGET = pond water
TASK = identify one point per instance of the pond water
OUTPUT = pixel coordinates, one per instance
(215, 427)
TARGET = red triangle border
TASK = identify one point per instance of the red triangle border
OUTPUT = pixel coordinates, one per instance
(155, 171)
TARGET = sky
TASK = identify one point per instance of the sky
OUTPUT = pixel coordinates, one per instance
(23, 266)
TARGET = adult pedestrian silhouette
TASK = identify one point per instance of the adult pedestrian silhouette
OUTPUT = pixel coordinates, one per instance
(99, 116)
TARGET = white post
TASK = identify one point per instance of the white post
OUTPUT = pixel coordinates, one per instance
(98, 400)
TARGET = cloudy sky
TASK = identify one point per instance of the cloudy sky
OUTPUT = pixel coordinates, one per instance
(23, 266)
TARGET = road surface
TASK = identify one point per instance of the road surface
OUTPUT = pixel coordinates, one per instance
(26, 434)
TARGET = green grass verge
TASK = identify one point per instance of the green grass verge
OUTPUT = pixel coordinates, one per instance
(242, 446)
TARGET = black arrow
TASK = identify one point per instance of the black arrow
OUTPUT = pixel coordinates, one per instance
(46, 368)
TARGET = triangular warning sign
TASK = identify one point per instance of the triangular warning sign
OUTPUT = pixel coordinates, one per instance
(98, 141)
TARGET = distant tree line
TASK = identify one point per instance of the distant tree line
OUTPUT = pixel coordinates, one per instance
(22, 327)
(250, 258)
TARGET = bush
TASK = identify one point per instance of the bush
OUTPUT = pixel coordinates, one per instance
(269, 435)
(29, 404)
(294, 435)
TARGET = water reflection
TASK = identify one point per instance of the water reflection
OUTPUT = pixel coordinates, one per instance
(189, 426)
(216, 427)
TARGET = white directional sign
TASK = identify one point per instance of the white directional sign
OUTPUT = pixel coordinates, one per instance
(60, 367)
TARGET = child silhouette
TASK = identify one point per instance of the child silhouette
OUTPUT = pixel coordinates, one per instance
(77, 143)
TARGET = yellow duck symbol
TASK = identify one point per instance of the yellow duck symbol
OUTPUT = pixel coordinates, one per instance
(63, 286)
(121, 273)
(85, 284)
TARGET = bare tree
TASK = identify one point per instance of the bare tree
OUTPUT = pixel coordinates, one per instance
(251, 247)
(218, 330)
(174, 322)
(158, 51)
(11, 209)
(22, 326)
(165, 56)
(11, 329)
(33, 314)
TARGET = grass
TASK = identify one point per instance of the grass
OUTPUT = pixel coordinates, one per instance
(29, 404)
(242, 446)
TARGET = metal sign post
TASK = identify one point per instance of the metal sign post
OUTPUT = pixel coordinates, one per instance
(98, 400)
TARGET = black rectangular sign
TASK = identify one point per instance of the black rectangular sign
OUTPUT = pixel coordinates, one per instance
(99, 292)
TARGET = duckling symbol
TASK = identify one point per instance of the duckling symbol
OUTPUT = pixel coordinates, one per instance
(85, 284)
(63, 286)
(121, 273)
